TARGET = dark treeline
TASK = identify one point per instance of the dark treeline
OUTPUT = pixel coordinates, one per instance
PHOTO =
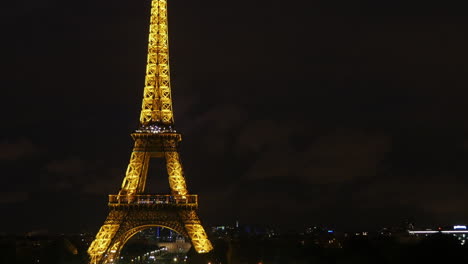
(356, 250)
(43, 250)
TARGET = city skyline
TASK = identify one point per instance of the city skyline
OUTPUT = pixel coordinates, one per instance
(308, 113)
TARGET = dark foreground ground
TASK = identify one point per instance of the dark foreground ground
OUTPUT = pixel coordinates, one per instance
(254, 250)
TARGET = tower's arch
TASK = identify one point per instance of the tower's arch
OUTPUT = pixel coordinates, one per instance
(128, 217)
(119, 244)
(127, 236)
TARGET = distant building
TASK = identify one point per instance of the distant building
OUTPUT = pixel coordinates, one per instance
(458, 231)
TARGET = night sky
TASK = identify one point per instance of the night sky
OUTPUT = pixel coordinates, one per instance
(350, 114)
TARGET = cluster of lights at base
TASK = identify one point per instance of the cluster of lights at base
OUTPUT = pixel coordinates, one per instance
(151, 255)
(156, 129)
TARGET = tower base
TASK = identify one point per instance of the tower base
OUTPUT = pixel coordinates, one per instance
(125, 220)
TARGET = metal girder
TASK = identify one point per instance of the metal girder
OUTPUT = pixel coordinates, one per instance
(157, 101)
(124, 222)
(196, 232)
(135, 178)
(176, 175)
(100, 245)
(133, 210)
(146, 147)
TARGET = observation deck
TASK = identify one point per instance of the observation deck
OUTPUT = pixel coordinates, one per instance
(151, 200)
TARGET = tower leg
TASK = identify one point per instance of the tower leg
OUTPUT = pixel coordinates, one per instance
(135, 177)
(195, 231)
(123, 223)
(176, 176)
(102, 247)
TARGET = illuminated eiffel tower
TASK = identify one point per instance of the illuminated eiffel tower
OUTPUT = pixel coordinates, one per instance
(132, 209)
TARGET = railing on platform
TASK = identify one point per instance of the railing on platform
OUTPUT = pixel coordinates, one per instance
(191, 200)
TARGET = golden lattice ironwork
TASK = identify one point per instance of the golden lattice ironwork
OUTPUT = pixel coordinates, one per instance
(157, 102)
(132, 209)
(155, 200)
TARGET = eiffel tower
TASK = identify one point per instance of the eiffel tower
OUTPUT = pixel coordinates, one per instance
(132, 209)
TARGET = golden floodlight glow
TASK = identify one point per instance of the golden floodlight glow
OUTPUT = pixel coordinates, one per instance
(133, 210)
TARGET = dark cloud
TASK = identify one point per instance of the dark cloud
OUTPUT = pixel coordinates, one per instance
(107, 181)
(341, 157)
(13, 197)
(102, 186)
(13, 150)
(428, 200)
(88, 176)
(260, 135)
(343, 112)
(72, 166)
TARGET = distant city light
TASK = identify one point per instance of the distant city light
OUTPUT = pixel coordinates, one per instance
(460, 234)
(330, 231)
(423, 232)
(455, 232)
(459, 227)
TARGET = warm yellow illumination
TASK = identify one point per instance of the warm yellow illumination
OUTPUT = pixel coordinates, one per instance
(133, 210)
(157, 102)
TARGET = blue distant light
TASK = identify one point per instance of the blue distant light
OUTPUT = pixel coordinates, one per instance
(330, 231)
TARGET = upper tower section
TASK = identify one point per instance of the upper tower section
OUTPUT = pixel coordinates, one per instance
(156, 113)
